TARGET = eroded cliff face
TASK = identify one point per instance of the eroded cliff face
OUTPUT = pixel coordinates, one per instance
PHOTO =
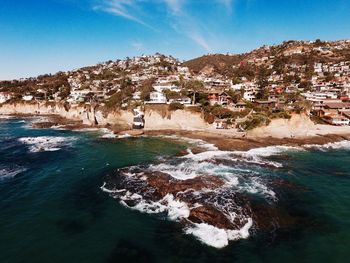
(177, 120)
(89, 115)
(299, 125)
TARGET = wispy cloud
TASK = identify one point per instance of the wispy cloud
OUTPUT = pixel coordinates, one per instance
(181, 17)
(226, 3)
(137, 45)
(200, 40)
(183, 23)
(175, 6)
(123, 8)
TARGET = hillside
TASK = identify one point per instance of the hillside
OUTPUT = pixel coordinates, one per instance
(218, 63)
(289, 52)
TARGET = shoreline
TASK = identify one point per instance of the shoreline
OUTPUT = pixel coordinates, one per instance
(231, 143)
(222, 139)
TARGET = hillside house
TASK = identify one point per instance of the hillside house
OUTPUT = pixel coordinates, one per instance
(240, 106)
(5, 96)
(332, 108)
(180, 99)
(336, 119)
(160, 87)
(157, 97)
(28, 97)
(219, 98)
(265, 103)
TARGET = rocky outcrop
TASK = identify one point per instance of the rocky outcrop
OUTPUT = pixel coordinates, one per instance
(207, 200)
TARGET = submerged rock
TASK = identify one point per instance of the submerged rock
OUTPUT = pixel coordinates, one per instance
(44, 125)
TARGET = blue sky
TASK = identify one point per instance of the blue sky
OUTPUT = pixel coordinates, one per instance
(45, 36)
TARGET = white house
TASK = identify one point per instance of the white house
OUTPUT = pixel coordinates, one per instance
(157, 97)
(136, 95)
(5, 96)
(160, 87)
(249, 95)
(337, 119)
(78, 95)
(181, 99)
(27, 97)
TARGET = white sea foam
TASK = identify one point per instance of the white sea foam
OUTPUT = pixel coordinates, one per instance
(175, 209)
(87, 130)
(197, 142)
(123, 136)
(6, 173)
(209, 163)
(271, 150)
(216, 237)
(256, 186)
(46, 143)
(6, 117)
(341, 145)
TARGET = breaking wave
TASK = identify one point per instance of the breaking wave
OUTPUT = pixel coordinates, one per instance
(46, 143)
(217, 237)
(341, 145)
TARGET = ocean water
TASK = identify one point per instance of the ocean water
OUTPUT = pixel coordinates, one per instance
(52, 207)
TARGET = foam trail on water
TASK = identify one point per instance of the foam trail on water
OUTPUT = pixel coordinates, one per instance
(6, 173)
(341, 145)
(46, 143)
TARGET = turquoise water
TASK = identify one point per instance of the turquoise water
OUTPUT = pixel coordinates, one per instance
(53, 210)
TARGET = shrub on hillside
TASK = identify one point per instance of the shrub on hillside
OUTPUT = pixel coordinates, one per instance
(255, 121)
(175, 106)
(280, 115)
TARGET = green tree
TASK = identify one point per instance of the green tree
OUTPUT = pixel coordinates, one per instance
(194, 86)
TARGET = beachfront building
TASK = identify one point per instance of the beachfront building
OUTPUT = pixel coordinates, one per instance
(180, 99)
(28, 97)
(139, 119)
(337, 119)
(5, 96)
(157, 97)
